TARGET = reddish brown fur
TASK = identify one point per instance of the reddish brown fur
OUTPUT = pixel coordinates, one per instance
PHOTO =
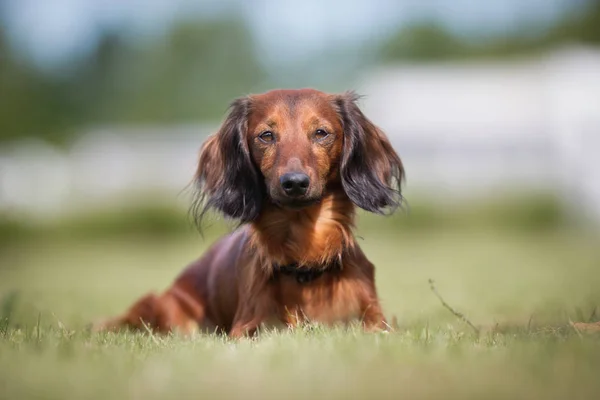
(231, 288)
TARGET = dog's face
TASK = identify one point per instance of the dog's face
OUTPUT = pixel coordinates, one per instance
(290, 148)
(295, 139)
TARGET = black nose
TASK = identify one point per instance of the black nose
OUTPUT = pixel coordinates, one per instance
(294, 183)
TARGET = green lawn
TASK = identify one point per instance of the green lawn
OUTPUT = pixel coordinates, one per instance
(520, 288)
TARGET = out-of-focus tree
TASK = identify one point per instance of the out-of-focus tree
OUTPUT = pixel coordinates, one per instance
(431, 41)
(95, 83)
(188, 74)
(582, 27)
(31, 103)
(424, 41)
(197, 66)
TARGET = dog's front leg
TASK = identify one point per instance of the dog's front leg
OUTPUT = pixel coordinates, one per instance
(372, 317)
(245, 328)
(250, 316)
(248, 320)
(371, 314)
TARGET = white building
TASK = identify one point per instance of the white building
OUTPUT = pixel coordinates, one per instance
(466, 128)
(462, 129)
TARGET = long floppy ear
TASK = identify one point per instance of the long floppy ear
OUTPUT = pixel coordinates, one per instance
(371, 171)
(227, 180)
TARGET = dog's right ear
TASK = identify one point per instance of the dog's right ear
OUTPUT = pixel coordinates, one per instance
(227, 180)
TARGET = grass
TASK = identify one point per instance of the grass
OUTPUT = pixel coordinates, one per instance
(521, 287)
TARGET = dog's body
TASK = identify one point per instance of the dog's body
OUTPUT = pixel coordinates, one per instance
(291, 166)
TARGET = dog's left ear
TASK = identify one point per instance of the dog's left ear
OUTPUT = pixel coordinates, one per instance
(227, 180)
(371, 171)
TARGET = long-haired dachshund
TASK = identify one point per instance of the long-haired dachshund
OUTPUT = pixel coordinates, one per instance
(290, 166)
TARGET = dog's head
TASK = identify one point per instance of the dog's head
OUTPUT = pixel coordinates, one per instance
(290, 148)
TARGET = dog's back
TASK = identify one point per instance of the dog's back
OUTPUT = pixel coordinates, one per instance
(203, 297)
(212, 281)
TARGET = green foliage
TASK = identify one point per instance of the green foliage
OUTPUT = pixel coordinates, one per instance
(141, 221)
(424, 42)
(13, 229)
(582, 27)
(517, 212)
(431, 41)
(189, 74)
(521, 213)
(192, 71)
(31, 103)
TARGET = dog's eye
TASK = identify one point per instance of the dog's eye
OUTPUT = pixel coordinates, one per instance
(267, 137)
(321, 134)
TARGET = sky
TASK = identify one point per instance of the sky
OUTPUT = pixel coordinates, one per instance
(51, 31)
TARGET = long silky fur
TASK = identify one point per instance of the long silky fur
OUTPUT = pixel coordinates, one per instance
(372, 173)
(227, 180)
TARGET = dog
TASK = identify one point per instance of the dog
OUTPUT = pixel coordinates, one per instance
(290, 166)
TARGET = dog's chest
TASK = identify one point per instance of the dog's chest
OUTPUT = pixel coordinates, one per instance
(328, 300)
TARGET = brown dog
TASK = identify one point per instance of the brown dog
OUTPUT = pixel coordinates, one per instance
(290, 165)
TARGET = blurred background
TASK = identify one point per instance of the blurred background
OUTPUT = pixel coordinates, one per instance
(494, 107)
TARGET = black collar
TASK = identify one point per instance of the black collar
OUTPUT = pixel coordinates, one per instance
(305, 274)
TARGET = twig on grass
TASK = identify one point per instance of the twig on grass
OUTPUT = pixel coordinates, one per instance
(390, 328)
(572, 324)
(7, 307)
(395, 323)
(61, 326)
(453, 311)
(592, 315)
(154, 339)
(38, 326)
